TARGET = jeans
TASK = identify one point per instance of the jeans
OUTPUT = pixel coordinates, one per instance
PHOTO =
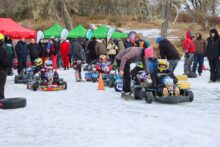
(198, 59)
(173, 64)
(188, 64)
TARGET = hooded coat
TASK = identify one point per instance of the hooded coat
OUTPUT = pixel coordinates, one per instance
(213, 45)
(188, 44)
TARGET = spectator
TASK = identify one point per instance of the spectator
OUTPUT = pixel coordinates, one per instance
(128, 43)
(52, 50)
(112, 50)
(100, 48)
(4, 64)
(200, 45)
(91, 51)
(189, 49)
(22, 53)
(33, 49)
(11, 54)
(213, 55)
(64, 52)
(169, 52)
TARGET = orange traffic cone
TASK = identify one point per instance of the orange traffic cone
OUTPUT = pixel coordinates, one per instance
(100, 83)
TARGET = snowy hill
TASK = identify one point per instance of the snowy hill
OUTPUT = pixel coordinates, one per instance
(85, 117)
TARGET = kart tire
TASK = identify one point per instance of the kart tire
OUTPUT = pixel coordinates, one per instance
(149, 97)
(111, 83)
(190, 95)
(16, 79)
(65, 85)
(35, 86)
(12, 103)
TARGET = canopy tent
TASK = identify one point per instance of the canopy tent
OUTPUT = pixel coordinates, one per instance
(55, 31)
(118, 35)
(101, 32)
(14, 30)
(78, 31)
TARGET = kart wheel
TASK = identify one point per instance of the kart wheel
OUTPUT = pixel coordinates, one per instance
(190, 95)
(16, 79)
(149, 97)
(35, 86)
(110, 83)
(65, 85)
(12, 103)
(94, 80)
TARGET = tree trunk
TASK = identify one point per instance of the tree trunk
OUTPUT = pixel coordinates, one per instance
(66, 15)
(166, 6)
(204, 12)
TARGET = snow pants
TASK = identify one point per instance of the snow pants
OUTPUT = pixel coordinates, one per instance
(66, 61)
(21, 64)
(173, 64)
(3, 75)
(214, 69)
(54, 60)
(188, 64)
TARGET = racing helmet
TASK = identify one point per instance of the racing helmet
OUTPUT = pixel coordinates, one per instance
(48, 64)
(2, 37)
(38, 62)
(103, 58)
(163, 64)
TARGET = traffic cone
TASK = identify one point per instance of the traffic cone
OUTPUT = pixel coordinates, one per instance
(100, 83)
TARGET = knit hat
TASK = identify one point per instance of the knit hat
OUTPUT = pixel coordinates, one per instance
(159, 39)
(149, 52)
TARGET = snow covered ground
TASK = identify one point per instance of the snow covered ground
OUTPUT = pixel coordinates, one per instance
(85, 117)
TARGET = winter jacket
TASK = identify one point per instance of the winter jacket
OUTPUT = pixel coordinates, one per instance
(51, 48)
(213, 48)
(100, 49)
(161, 75)
(188, 44)
(33, 49)
(128, 44)
(4, 61)
(42, 50)
(129, 55)
(168, 51)
(200, 45)
(77, 51)
(21, 50)
(112, 48)
(65, 48)
(91, 49)
(120, 45)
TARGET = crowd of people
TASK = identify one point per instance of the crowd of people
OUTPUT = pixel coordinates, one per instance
(64, 53)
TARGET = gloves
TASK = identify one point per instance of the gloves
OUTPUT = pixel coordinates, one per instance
(186, 55)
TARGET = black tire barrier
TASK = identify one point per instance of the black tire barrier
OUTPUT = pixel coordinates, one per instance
(13, 103)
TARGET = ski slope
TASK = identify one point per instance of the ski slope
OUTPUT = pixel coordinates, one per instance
(82, 116)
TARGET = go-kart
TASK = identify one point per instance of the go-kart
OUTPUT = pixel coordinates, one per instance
(47, 83)
(27, 75)
(150, 93)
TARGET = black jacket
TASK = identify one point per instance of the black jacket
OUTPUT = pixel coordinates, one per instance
(128, 44)
(213, 48)
(91, 49)
(33, 49)
(4, 61)
(168, 51)
(21, 49)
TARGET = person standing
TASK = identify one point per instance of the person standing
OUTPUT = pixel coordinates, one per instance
(91, 51)
(112, 50)
(52, 51)
(100, 48)
(169, 52)
(213, 55)
(128, 43)
(11, 54)
(200, 45)
(33, 49)
(124, 58)
(4, 64)
(189, 48)
(22, 53)
(65, 52)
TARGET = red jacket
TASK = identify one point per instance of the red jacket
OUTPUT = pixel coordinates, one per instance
(188, 44)
(64, 48)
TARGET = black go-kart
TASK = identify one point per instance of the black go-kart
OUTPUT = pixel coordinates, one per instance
(26, 76)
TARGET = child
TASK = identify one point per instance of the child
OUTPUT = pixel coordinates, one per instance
(103, 66)
(163, 73)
